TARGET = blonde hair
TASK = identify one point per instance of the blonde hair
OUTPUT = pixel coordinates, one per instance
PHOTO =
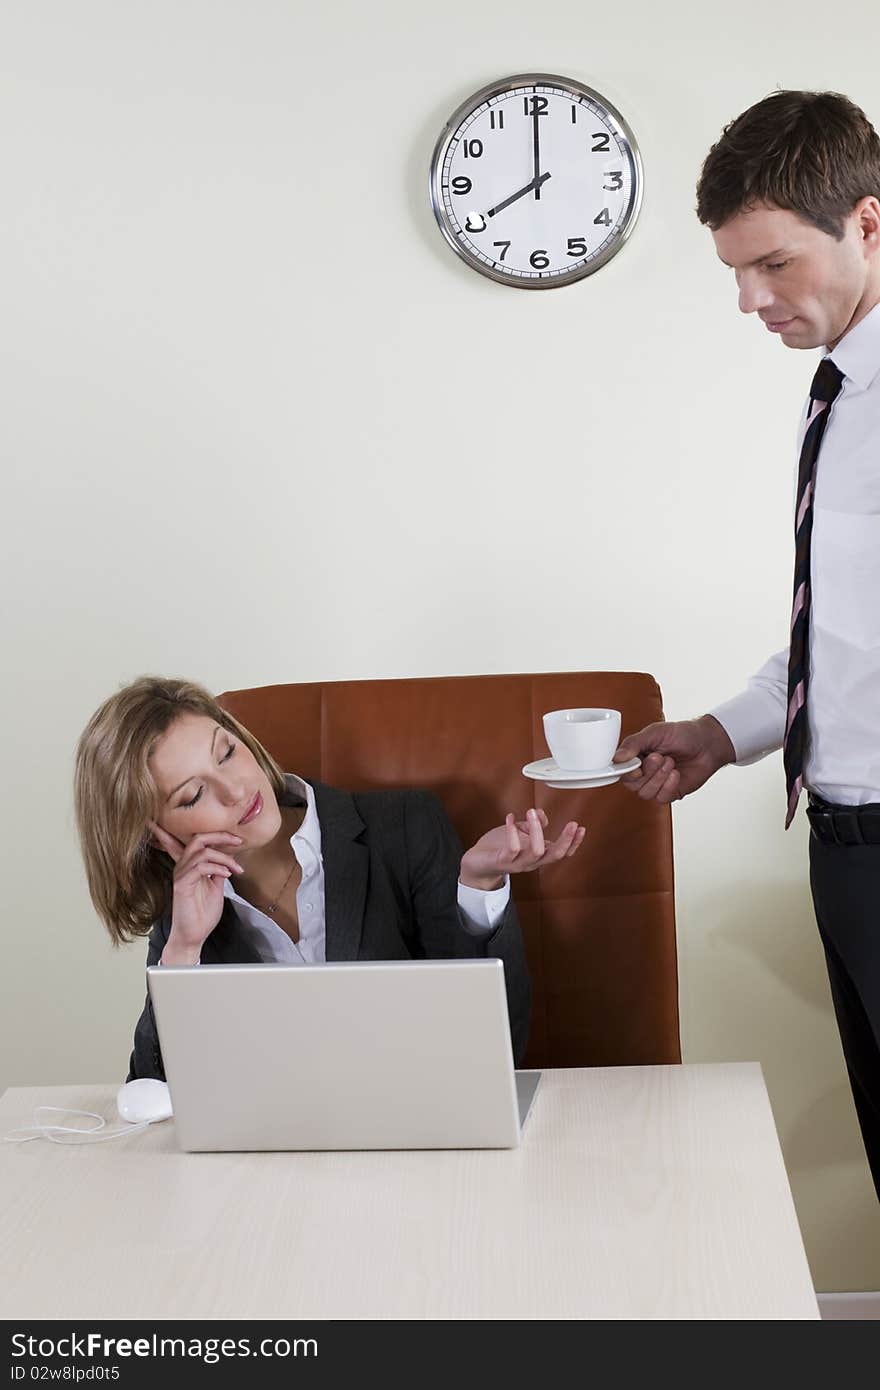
(130, 880)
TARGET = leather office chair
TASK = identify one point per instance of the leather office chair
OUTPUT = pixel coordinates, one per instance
(600, 928)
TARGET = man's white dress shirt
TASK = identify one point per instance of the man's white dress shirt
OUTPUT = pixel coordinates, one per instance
(843, 700)
(480, 912)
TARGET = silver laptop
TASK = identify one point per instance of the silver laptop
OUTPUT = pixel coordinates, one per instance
(350, 1055)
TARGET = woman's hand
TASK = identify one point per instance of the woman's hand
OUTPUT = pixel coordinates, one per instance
(517, 847)
(200, 870)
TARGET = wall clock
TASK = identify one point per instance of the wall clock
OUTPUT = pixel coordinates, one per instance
(536, 181)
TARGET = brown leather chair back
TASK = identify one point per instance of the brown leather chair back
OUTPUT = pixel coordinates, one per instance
(600, 928)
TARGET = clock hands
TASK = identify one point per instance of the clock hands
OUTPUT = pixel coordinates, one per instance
(536, 146)
(537, 178)
(520, 193)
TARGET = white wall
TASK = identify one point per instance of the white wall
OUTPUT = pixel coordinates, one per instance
(260, 425)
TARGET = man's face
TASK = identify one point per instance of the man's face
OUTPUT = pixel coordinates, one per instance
(802, 283)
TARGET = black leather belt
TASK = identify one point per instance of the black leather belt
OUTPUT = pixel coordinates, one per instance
(844, 825)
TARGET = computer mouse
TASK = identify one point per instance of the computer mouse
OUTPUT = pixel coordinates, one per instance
(144, 1101)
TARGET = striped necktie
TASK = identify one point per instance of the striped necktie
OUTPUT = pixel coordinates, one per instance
(825, 387)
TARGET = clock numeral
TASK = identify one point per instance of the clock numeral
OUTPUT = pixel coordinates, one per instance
(496, 124)
(472, 148)
(538, 106)
(617, 176)
(602, 141)
(479, 223)
(577, 246)
(574, 115)
(506, 245)
(461, 184)
(603, 220)
(539, 260)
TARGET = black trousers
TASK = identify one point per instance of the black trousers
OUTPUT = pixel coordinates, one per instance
(845, 880)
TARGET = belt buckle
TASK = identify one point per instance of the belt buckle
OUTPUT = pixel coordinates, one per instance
(821, 819)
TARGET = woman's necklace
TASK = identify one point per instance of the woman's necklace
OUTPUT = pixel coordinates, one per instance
(272, 907)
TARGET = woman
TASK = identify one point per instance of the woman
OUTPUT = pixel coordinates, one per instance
(193, 835)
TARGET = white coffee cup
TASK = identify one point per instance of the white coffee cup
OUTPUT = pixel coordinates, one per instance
(582, 739)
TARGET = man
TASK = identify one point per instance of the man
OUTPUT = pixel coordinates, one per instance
(791, 194)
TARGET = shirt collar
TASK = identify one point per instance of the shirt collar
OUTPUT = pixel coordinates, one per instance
(299, 791)
(857, 354)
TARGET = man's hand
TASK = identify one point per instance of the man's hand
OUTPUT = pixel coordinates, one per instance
(676, 758)
(517, 847)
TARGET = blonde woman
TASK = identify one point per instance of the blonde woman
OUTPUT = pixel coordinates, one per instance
(193, 836)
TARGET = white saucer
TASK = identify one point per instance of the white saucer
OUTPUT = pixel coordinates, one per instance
(546, 770)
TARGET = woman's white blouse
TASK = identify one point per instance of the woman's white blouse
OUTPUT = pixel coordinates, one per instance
(480, 912)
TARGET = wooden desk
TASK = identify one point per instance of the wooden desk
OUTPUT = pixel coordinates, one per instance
(638, 1192)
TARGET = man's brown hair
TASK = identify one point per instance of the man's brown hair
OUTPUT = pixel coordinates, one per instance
(814, 153)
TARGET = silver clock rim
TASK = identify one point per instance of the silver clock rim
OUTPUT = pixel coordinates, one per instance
(528, 79)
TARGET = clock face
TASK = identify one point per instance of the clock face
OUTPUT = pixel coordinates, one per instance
(536, 181)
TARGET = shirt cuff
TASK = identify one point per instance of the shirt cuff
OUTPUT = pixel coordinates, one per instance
(482, 911)
(754, 722)
(755, 719)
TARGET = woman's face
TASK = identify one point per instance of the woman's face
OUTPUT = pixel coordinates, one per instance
(208, 780)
